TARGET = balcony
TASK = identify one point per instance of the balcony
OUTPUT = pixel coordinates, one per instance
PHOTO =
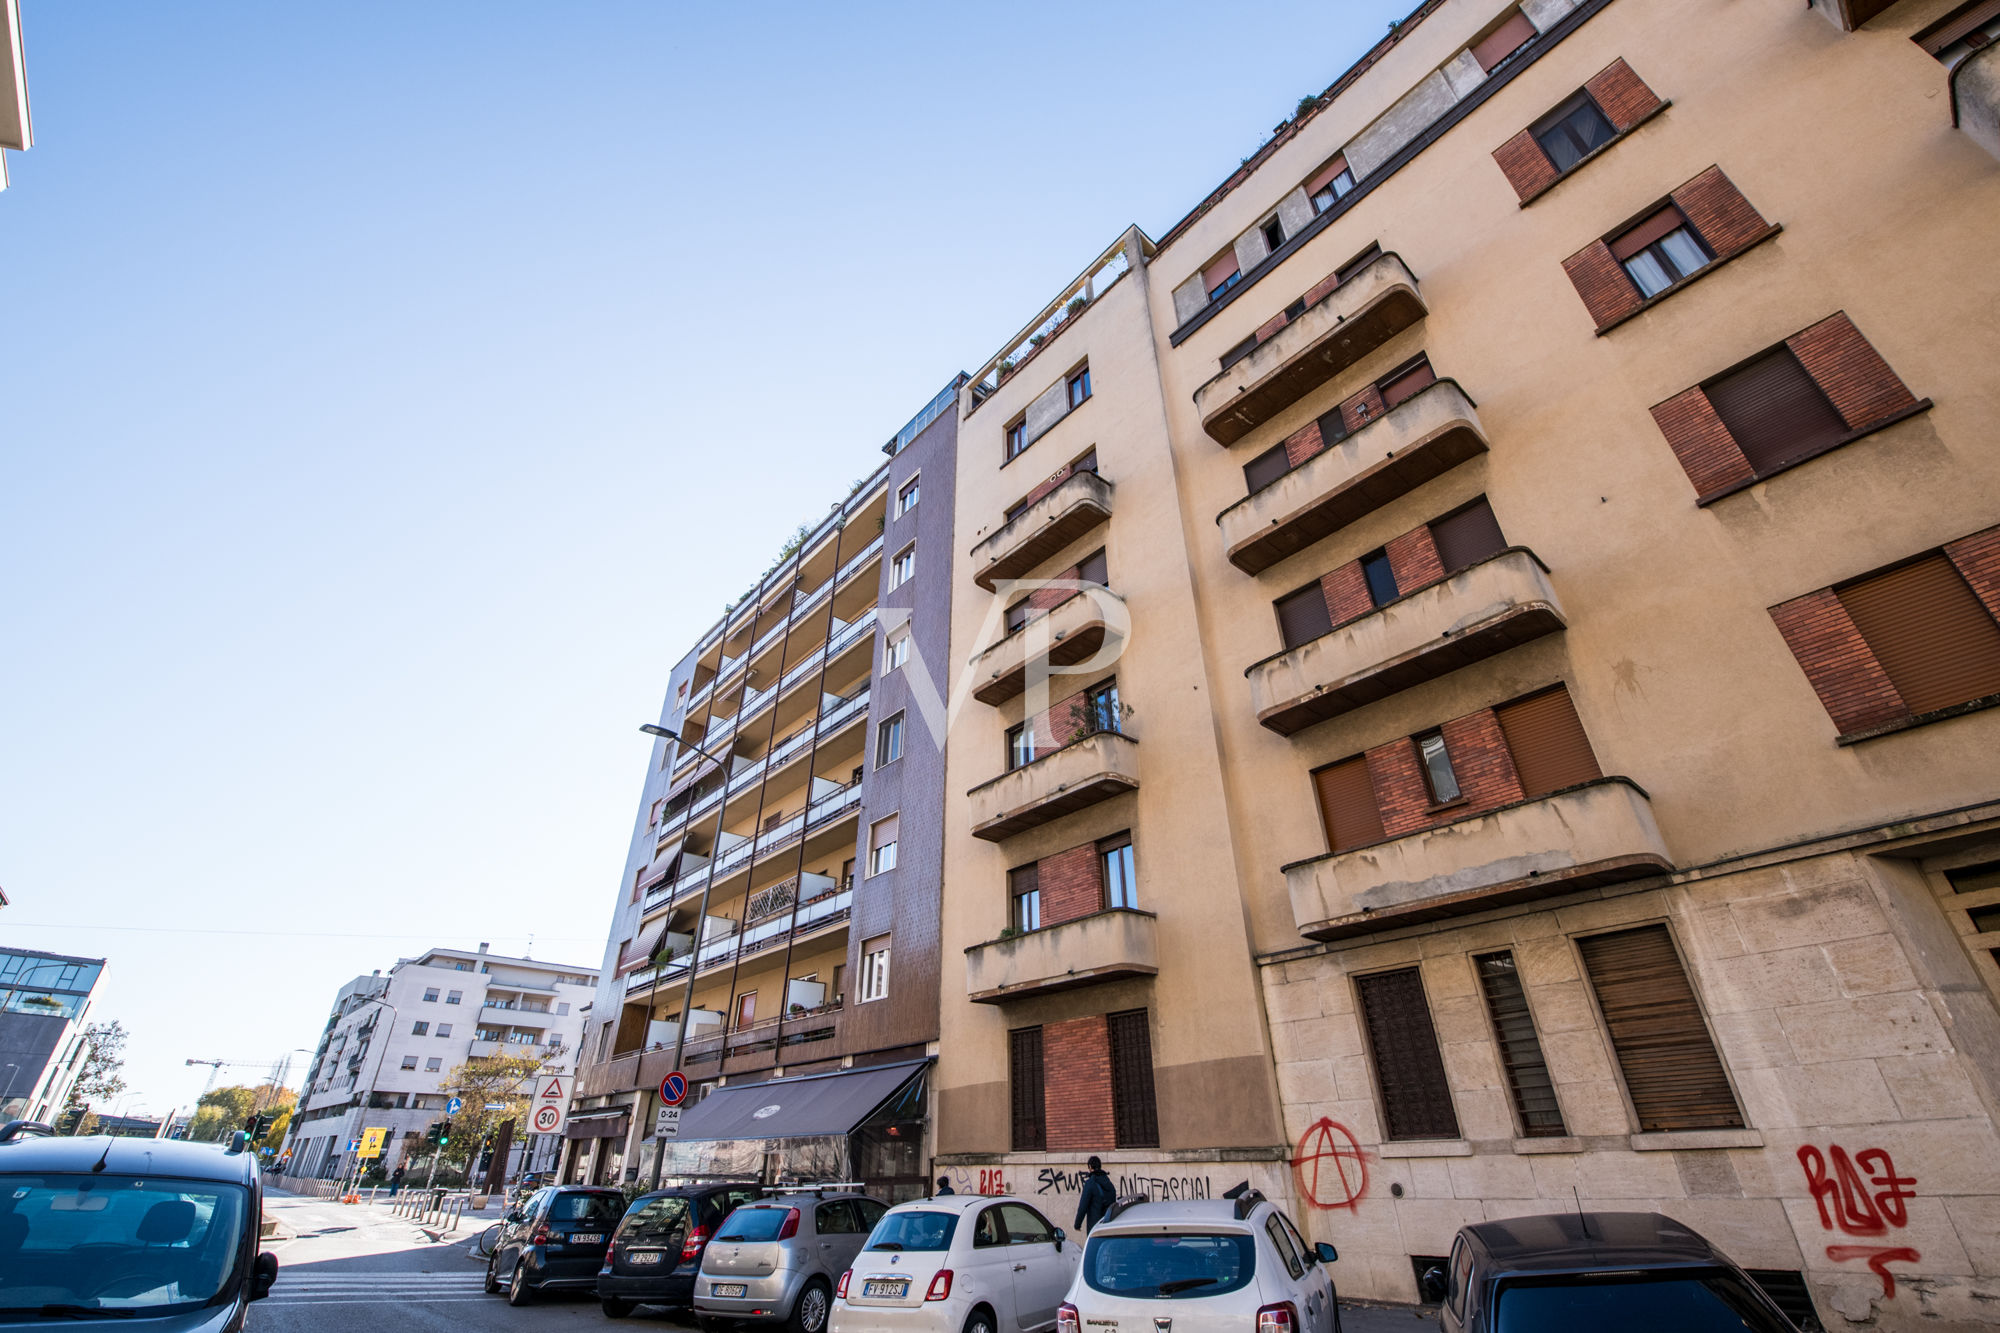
(1082, 773)
(1081, 502)
(1433, 431)
(1334, 331)
(1481, 610)
(1597, 833)
(1069, 632)
(1105, 946)
(514, 1015)
(510, 1050)
(854, 566)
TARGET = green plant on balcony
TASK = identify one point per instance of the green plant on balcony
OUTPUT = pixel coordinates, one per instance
(1075, 307)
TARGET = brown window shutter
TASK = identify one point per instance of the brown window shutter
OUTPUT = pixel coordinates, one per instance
(1671, 1070)
(1302, 617)
(1528, 1080)
(1701, 442)
(1774, 411)
(1468, 536)
(1608, 294)
(1092, 569)
(1720, 213)
(1347, 804)
(1978, 559)
(1266, 468)
(1403, 387)
(1024, 1084)
(1416, 1100)
(1135, 1119)
(1850, 683)
(1850, 372)
(1622, 96)
(1937, 642)
(1956, 26)
(1546, 739)
(1503, 41)
(1524, 164)
(1629, 243)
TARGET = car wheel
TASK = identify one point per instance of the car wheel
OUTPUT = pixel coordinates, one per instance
(518, 1291)
(492, 1278)
(979, 1321)
(809, 1310)
(615, 1308)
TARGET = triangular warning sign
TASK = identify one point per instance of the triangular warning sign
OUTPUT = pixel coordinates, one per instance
(552, 1091)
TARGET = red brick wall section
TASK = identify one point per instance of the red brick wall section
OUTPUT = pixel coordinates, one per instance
(1271, 326)
(1076, 1085)
(1851, 372)
(1060, 723)
(1480, 759)
(1978, 559)
(1524, 164)
(1413, 558)
(1362, 408)
(1061, 476)
(1321, 289)
(1303, 444)
(1720, 213)
(1701, 442)
(1400, 793)
(1041, 599)
(1070, 885)
(1837, 661)
(1608, 294)
(1622, 96)
(1346, 590)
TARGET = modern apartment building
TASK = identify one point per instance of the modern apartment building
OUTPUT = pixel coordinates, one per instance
(1527, 559)
(17, 131)
(392, 1040)
(787, 860)
(44, 1009)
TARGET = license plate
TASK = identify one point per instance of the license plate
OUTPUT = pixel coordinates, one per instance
(888, 1291)
(587, 1238)
(643, 1257)
(725, 1289)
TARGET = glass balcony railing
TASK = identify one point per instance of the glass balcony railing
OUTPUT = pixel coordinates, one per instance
(827, 910)
(868, 552)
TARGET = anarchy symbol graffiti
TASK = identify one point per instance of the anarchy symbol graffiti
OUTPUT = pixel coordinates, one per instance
(1332, 1170)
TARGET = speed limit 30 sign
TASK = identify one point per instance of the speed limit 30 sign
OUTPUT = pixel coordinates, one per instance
(548, 1118)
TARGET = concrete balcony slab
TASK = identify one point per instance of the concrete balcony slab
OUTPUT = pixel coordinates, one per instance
(1068, 633)
(1082, 502)
(1105, 946)
(1081, 774)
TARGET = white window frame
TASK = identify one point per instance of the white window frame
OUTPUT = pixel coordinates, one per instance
(874, 971)
(904, 568)
(889, 740)
(908, 496)
(878, 862)
(897, 652)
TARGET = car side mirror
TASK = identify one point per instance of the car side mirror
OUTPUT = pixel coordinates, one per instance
(262, 1274)
(1326, 1254)
(1061, 1236)
(1432, 1284)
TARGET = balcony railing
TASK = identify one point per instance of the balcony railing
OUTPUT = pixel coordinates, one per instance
(1076, 505)
(1600, 832)
(868, 552)
(1105, 946)
(1081, 774)
(1428, 433)
(1068, 632)
(1343, 321)
(827, 910)
(1074, 299)
(1483, 609)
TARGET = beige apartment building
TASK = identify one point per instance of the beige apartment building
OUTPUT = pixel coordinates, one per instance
(1510, 726)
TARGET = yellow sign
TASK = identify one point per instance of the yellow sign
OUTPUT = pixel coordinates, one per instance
(371, 1141)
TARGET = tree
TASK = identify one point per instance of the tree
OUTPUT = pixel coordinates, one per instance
(222, 1111)
(506, 1083)
(102, 1076)
(281, 1126)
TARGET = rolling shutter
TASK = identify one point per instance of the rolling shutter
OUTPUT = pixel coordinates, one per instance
(1652, 229)
(1670, 1066)
(1135, 1121)
(1932, 636)
(1024, 1082)
(1416, 1100)
(1546, 739)
(1503, 41)
(1774, 411)
(1347, 804)
(1303, 617)
(1092, 569)
(1266, 468)
(1406, 385)
(1326, 174)
(1467, 537)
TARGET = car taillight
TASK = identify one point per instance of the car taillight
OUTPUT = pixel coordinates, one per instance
(790, 1227)
(610, 1251)
(1280, 1318)
(1067, 1319)
(541, 1236)
(940, 1286)
(691, 1247)
(840, 1288)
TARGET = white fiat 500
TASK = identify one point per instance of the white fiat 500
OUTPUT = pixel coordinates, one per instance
(964, 1263)
(1213, 1266)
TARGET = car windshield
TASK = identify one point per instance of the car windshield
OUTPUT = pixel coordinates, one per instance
(1183, 1264)
(1708, 1301)
(656, 1221)
(918, 1229)
(591, 1209)
(152, 1246)
(754, 1222)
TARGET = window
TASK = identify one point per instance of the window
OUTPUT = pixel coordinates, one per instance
(604, 1040)
(1102, 711)
(1017, 615)
(1238, 352)
(433, 1065)
(1981, 913)
(746, 1009)
(562, 1008)
(1024, 1087)
(444, 1030)
(1969, 28)
(1274, 233)
(1409, 1071)
(1660, 251)
(1346, 272)
(1672, 1073)
(453, 997)
(1573, 131)
(1120, 879)
(906, 499)
(1547, 742)
(1380, 577)
(1302, 616)
(898, 652)
(882, 846)
(1092, 569)
(1024, 895)
(1528, 1080)
(1079, 388)
(430, 995)
(875, 969)
(1774, 411)
(1347, 804)
(420, 1029)
(905, 566)
(1405, 382)
(1330, 184)
(1493, 49)
(1134, 1119)
(1467, 536)
(1935, 640)
(1017, 437)
(1435, 760)
(889, 740)
(409, 1062)
(1294, 1264)
(1221, 274)
(1021, 745)
(1266, 468)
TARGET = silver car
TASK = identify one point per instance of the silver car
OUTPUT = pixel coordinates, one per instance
(777, 1260)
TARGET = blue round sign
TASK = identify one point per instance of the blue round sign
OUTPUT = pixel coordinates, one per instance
(454, 1106)
(674, 1088)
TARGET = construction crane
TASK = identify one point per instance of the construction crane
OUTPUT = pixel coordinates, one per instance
(280, 1069)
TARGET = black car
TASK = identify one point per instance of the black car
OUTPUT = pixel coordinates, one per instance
(657, 1251)
(1634, 1272)
(154, 1234)
(554, 1240)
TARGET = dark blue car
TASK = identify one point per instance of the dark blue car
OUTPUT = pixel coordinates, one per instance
(555, 1240)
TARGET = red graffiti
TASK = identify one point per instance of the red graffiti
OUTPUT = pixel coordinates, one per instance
(1332, 1170)
(992, 1181)
(1862, 1196)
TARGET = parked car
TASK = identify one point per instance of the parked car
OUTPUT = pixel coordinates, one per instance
(1634, 1272)
(777, 1260)
(962, 1263)
(656, 1251)
(102, 1232)
(1207, 1266)
(555, 1240)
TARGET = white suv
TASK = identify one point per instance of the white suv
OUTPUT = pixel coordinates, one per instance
(1213, 1266)
(963, 1263)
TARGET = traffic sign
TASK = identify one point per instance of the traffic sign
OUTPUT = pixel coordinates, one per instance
(496, 1106)
(674, 1088)
(553, 1090)
(371, 1141)
(667, 1122)
(454, 1106)
(548, 1117)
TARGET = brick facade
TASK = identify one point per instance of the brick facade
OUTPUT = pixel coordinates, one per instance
(1076, 1084)
(1622, 96)
(1701, 442)
(1837, 661)
(1071, 884)
(1978, 559)
(1850, 372)
(1303, 443)
(1413, 558)
(1400, 793)
(1362, 408)
(1346, 593)
(1061, 722)
(1526, 167)
(1608, 294)
(1482, 762)
(1720, 213)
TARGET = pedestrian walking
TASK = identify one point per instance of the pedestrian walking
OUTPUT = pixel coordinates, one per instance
(944, 1187)
(396, 1180)
(1096, 1198)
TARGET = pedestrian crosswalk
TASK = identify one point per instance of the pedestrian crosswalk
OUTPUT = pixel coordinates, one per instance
(364, 1287)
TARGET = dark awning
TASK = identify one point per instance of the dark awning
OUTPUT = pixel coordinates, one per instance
(602, 1125)
(789, 1108)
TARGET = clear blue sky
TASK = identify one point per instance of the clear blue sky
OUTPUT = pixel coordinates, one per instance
(390, 393)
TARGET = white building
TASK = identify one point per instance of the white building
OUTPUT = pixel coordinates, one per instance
(16, 131)
(391, 1041)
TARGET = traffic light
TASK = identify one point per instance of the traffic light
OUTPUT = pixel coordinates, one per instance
(431, 1134)
(444, 1131)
